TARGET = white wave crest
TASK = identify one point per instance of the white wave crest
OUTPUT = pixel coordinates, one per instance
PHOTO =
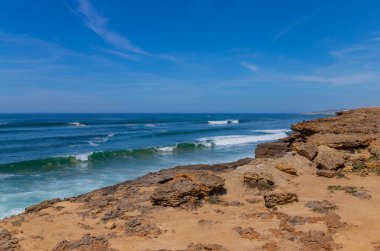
(223, 122)
(242, 139)
(6, 176)
(83, 157)
(272, 131)
(11, 212)
(150, 125)
(92, 143)
(77, 124)
(166, 149)
(97, 140)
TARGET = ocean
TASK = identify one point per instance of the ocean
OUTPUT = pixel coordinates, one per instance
(45, 156)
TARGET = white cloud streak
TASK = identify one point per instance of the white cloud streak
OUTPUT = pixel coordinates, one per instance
(249, 66)
(348, 51)
(350, 79)
(99, 24)
(285, 30)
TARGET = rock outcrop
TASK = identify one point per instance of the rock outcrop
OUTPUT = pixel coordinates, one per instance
(276, 199)
(350, 140)
(8, 242)
(86, 243)
(272, 149)
(187, 188)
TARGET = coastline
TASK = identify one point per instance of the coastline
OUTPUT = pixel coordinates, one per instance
(70, 165)
(294, 194)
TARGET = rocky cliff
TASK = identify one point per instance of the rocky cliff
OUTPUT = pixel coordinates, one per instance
(315, 190)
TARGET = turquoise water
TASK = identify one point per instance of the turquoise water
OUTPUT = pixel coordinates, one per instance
(44, 156)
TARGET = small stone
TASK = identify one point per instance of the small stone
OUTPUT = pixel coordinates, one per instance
(362, 195)
(236, 203)
(286, 168)
(320, 206)
(110, 225)
(252, 200)
(260, 181)
(247, 233)
(205, 222)
(326, 173)
(219, 211)
(206, 247)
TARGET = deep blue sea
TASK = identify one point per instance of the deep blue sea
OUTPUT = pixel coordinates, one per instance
(44, 156)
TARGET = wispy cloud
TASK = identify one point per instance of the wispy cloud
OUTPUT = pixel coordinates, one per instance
(120, 54)
(285, 30)
(351, 64)
(99, 24)
(349, 79)
(122, 46)
(28, 41)
(348, 51)
(249, 66)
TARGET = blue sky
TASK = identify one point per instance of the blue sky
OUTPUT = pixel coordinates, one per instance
(188, 56)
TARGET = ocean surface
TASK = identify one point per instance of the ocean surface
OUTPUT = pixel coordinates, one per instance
(44, 156)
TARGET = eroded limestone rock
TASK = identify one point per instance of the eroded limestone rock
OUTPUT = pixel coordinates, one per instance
(262, 181)
(329, 158)
(275, 199)
(8, 242)
(187, 188)
(286, 168)
(86, 243)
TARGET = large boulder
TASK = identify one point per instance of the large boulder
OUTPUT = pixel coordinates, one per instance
(274, 199)
(329, 158)
(286, 168)
(305, 149)
(260, 181)
(272, 149)
(187, 188)
(374, 148)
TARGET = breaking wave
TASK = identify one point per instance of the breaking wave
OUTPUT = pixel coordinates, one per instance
(245, 139)
(77, 124)
(273, 131)
(98, 140)
(223, 122)
(92, 157)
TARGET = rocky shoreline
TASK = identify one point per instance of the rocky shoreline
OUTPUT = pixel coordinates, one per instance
(314, 190)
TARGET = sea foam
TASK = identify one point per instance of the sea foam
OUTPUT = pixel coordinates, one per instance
(6, 176)
(272, 131)
(243, 139)
(97, 140)
(83, 157)
(166, 149)
(223, 122)
(77, 124)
